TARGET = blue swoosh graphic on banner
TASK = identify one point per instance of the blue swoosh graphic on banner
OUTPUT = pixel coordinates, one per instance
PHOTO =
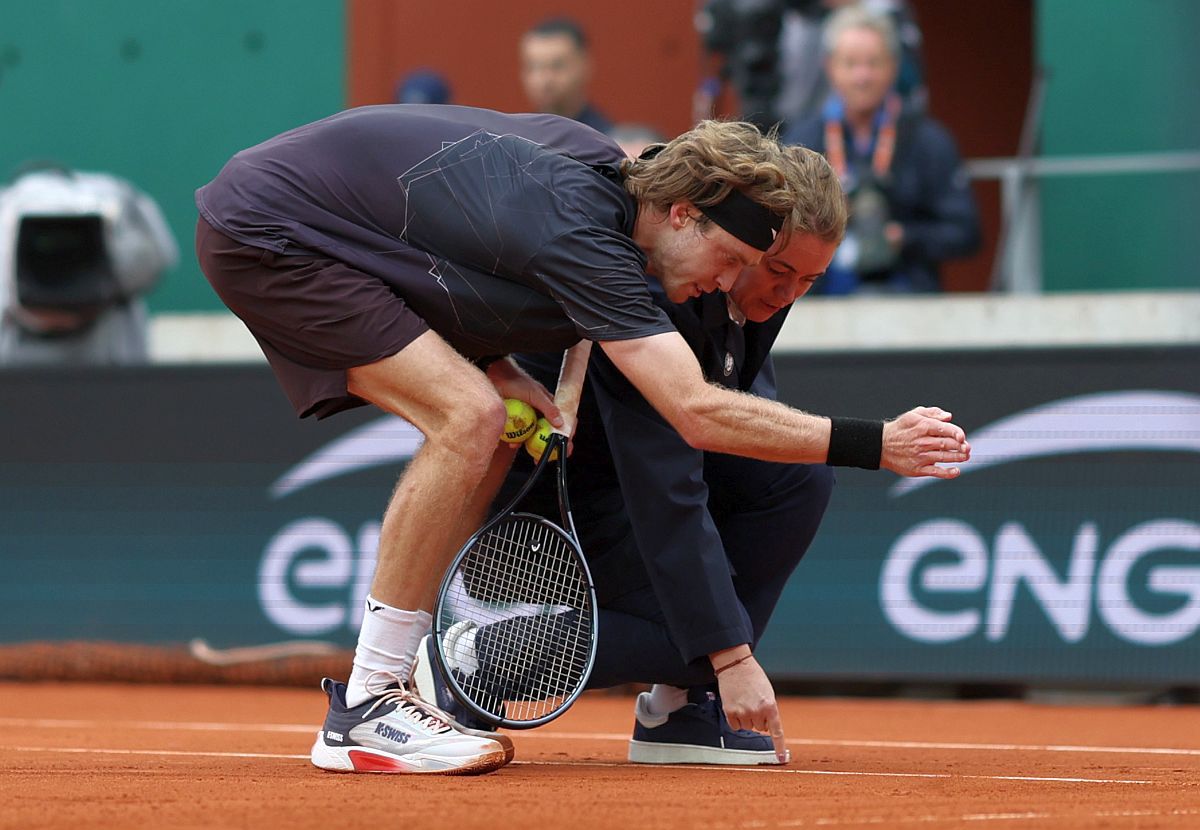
(1144, 419)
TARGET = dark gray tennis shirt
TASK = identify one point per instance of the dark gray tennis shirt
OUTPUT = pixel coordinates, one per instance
(505, 232)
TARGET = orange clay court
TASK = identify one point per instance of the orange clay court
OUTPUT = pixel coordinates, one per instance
(114, 755)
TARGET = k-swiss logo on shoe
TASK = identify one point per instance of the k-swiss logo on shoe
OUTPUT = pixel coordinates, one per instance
(391, 733)
(334, 736)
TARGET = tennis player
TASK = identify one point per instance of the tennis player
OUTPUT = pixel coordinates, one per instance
(374, 252)
(690, 550)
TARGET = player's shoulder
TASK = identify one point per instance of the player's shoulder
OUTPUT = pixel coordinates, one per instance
(562, 135)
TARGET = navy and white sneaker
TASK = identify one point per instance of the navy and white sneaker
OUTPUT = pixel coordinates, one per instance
(696, 734)
(429, 684)
(397, 732)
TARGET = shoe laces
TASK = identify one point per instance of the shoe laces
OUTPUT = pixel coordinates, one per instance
(712, 703)
(395, 691)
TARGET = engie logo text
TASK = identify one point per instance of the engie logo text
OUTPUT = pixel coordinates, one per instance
(945, 580)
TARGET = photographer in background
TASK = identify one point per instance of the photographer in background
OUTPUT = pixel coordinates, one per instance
(911, 205)
(770, 51)
(744, 36)
(78, 251)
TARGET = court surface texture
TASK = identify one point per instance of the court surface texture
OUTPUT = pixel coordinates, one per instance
(77, 755)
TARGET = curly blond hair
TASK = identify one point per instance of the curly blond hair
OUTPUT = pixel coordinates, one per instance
(715, 157)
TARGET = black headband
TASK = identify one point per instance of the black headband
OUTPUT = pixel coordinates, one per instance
(746, 219)
(737, 213)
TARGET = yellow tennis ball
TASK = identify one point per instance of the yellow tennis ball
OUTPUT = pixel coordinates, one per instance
(535, 444)
(521, 421)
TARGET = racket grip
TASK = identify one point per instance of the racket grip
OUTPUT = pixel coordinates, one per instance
(570, 384)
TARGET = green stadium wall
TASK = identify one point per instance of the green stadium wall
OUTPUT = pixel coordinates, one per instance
(163, 94)
(1122, 79)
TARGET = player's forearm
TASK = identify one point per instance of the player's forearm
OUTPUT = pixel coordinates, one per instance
(711, 417)
(720, 420)
(716, 419)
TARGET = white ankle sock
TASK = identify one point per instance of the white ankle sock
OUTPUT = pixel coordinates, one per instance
(387, 642)
(666, 699)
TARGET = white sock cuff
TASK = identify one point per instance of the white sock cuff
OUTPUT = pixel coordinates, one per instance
(665, 699)
(387, 642)
(383, 611)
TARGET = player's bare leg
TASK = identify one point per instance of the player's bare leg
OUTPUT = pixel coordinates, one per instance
(461, 416)
(373, 725)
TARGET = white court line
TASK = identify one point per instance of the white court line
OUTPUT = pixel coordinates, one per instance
(178, 753)
(210, 726)
(786, 771)
(1121, 750)
(182, 726)
(973, 817)
(78, 750)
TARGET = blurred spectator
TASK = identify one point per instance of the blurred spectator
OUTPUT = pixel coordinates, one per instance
(770, 52)
(911, 205)
(635, 138)
(803, 84)
(77, 253)
(423, 86)
(556, 69)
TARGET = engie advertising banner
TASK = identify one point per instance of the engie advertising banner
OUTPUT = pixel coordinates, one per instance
(164, 504)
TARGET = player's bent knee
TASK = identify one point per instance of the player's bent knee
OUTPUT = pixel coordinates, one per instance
(472, 429)
(480, 422)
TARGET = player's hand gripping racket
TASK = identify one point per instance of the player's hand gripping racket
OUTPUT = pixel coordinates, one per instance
(515, 619)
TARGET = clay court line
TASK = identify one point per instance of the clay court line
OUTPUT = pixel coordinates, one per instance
(182, 726)
(783, 771)
(970, 817)
(78, 750)
(210, 726)
(1119, 750)
(179, 753)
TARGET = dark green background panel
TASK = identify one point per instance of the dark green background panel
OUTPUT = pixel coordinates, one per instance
(163, 93)
(1121, 79)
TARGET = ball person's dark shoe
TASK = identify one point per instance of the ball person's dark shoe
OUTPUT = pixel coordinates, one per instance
(696, 734)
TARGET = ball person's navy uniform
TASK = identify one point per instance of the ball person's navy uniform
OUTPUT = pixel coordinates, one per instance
(689, 550)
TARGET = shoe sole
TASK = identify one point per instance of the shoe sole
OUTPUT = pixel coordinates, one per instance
(644, 752)
(361, 759)
(423, 678)
(498, 737)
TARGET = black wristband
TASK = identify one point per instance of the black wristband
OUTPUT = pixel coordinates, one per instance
(855, 442)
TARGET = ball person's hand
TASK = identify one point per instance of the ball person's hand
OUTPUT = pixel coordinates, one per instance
(749, 703)
(920, 439)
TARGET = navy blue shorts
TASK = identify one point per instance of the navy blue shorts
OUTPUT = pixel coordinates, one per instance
(314, 317)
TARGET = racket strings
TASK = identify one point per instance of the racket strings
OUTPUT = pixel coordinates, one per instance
(524, 591)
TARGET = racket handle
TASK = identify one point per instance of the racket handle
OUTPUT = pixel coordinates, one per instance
(570, 384)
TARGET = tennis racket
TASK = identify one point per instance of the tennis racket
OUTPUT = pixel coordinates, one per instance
(515, 619)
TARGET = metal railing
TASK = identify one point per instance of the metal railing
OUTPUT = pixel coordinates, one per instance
(1019, 254)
